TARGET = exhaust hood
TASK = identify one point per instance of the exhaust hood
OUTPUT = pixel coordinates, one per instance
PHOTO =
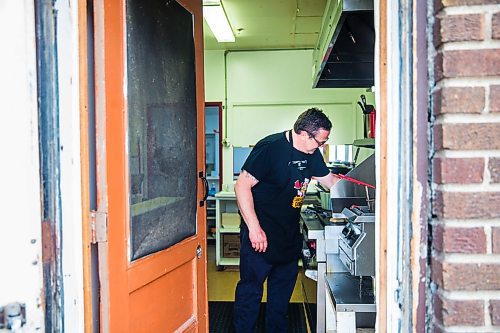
(344, 54)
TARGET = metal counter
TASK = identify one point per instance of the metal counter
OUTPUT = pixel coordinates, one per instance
(347, 294)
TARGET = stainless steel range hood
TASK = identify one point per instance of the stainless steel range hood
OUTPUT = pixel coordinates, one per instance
(344, 54)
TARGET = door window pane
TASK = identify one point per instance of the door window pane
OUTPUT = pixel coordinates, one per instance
(161, 107)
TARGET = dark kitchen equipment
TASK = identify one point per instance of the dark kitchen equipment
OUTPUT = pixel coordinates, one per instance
(348, 59)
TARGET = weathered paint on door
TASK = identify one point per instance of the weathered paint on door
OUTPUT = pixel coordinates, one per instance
(160, 286)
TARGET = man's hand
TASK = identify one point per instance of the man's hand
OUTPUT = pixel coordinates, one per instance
(258, 239)
(329, 180)
(243, 189)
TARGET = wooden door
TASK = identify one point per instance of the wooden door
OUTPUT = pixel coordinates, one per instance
(150, 138)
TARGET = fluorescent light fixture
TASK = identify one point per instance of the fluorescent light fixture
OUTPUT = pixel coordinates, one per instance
(217, 21)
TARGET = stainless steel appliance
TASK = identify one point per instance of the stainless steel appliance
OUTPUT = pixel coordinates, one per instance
(353, 247)
(352, 291)
(316, 226)
(356, 242)
(314, 269)
(322, 232)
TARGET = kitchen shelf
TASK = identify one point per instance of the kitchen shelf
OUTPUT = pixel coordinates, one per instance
(225, 203)
(210, 217)
(365, 143)
(228, 230)
(229, 262)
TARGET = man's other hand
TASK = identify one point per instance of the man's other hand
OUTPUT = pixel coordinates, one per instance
(258, 239)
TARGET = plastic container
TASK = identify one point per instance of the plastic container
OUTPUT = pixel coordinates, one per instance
(371, 130)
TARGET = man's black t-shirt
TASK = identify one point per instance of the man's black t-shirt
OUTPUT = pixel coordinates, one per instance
(283, 173)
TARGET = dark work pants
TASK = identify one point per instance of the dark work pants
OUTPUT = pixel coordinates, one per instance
(254, 269)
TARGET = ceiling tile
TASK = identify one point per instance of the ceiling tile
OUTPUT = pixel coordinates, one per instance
(311, 7)
(308, 24)
(265, 24)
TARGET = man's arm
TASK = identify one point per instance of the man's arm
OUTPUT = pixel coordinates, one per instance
(243, 190)
(328, 181)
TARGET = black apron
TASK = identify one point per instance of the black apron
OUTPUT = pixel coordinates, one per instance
(282, 227)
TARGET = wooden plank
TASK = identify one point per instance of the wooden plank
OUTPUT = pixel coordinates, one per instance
(382, 164)
(84, 151)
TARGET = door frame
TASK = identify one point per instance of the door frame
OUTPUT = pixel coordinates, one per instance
(221, 167)
(21, 234)
(402, 150)
(382, 12)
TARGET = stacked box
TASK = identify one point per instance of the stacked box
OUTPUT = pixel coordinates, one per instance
(230, 220)
(231, 245)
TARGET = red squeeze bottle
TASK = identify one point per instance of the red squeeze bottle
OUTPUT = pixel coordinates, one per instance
(373, 119)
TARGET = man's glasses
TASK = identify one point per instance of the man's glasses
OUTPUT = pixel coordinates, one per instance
(320, 143)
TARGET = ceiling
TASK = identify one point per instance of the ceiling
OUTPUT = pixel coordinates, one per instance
(270, 24)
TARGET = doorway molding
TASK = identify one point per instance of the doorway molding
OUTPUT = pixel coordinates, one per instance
(402, 164)
(221, 167)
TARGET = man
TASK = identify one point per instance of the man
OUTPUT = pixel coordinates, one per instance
(270, 191)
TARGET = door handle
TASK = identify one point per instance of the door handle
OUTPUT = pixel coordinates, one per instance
(205, 185)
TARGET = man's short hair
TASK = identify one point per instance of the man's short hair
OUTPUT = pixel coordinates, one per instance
(311, 121)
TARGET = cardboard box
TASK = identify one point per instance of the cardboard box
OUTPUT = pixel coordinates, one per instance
(231, 245)
(230, 220)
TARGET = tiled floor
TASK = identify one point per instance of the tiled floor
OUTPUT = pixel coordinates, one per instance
(222, 284)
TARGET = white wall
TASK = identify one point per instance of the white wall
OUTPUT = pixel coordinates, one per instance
(266, 91)
(20, 234)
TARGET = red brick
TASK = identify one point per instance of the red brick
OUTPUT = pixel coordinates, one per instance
(467, 136)
(460, 276)
(466, 63)
(494, 168)
(459, 100)
(438, 5)
(462, 312)
(437, 133)
(438, 238)
(464, 240)
(495, 239)
(437, 307)
(495, 312)
(467, 205)
(438, 67)
(436, 33)
(494, 98)
(457, 28)
(495, 26)
(458, 170)
(437, 271)
(453, 3)
(436, 328)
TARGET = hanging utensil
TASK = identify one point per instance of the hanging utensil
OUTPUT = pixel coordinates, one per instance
(361, 106)
(363, 99)
(353, 180)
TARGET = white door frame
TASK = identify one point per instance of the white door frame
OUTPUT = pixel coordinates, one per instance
(20, 230)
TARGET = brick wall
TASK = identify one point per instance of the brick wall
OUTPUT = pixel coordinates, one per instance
(465, 264)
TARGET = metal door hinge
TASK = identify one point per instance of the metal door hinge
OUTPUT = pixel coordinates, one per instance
(12, 316)
(98, 227)
(199, 251)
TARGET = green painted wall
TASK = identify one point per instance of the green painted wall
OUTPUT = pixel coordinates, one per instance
(264, 93)
(214, 76)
